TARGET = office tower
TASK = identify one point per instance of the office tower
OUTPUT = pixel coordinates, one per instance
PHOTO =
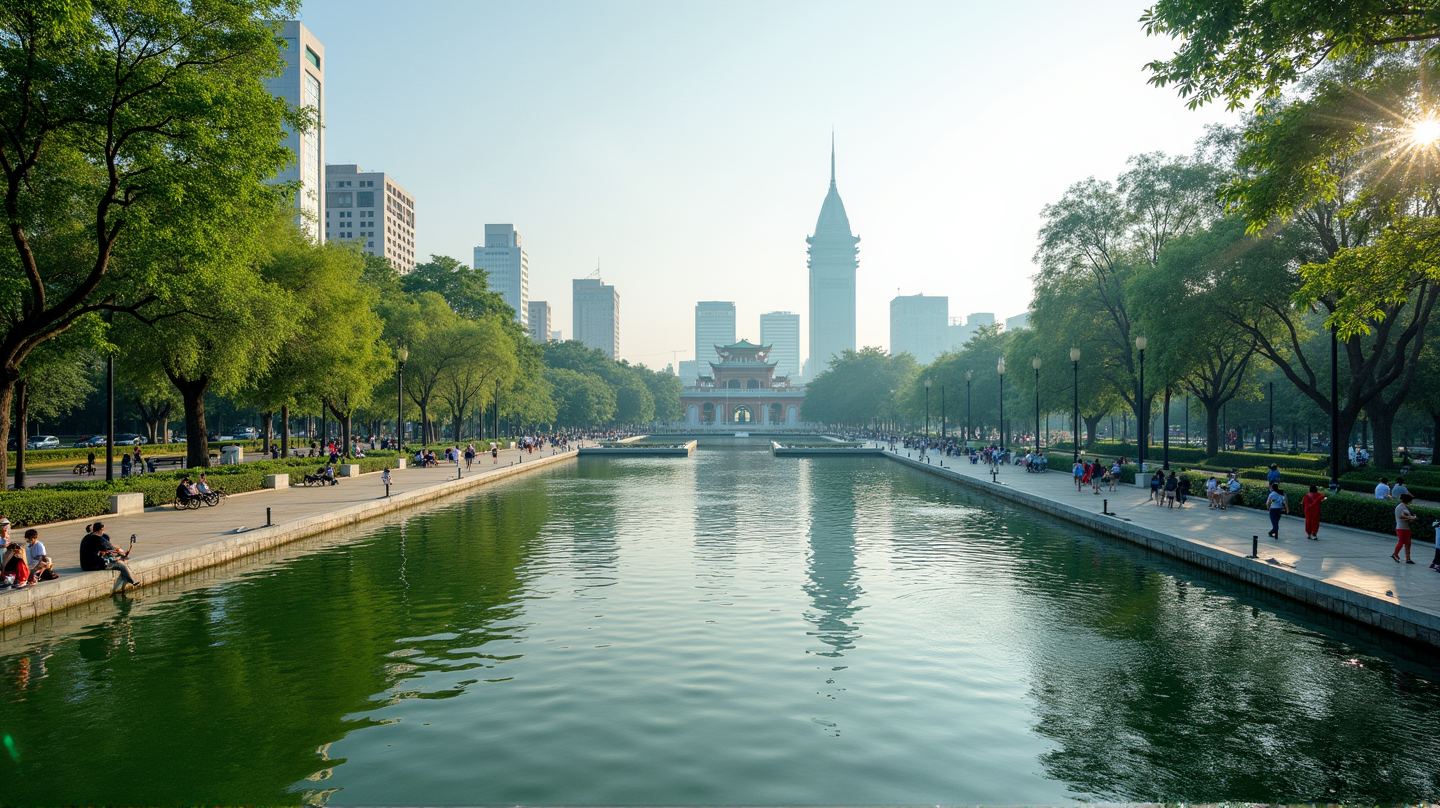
(714, 325)
(1019, 321)
(508, 265)
(302, 85)
(371, 209)
(833, 261)
(689, 371)
(557, 335)
(596, 315)
(918, 326)
(961, 330)
(539, 320)
(781, 331)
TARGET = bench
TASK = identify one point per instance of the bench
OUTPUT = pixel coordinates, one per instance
(178, 461)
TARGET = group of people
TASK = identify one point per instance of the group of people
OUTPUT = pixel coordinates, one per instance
(23, 564)
(1095, 474)
(131, 463)
(189, 489)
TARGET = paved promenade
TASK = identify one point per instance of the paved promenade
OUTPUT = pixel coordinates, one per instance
(1348, 571)
(175, 542)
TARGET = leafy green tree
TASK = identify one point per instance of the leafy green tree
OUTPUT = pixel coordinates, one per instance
(485, 359)
(54, 380)
(633, 402)
(1236, 49)
(466, 290)
(858, 387)
(665, 389)
(128, 132)
(581, 399)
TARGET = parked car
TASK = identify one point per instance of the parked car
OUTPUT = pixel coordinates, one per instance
(43, 442)
(129, 439)
(90, 442)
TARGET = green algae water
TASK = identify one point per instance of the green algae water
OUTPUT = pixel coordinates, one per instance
(731, 629)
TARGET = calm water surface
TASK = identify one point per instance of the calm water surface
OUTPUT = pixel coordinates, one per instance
(733, 629)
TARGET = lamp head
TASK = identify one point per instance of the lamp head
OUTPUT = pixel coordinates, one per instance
(402, 353)
(1000, 366)
(969, 375)
(1035, 363)
(927, 384)
(1074, 354)
(1140, 342)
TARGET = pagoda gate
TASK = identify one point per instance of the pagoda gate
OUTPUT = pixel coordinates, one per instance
(742, 388)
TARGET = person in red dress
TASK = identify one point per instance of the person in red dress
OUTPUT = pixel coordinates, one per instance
(1310, 505)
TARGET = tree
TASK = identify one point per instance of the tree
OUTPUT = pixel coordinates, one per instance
(665, 389)
(858, 387)
(54, 380)
(633, 402)
(466, 290)
(484, 359)
(1099, 235)
(581, 399)
(1233, 49)
(127, 131)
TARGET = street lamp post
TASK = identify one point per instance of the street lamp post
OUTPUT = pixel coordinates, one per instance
(968, 433)
(942, 413)
(927, 413)
(1035, 363)
(1144, 425)
(1335, 409)
(402, 353)
(1000, 368)
(1075, 420)
(1272, 417)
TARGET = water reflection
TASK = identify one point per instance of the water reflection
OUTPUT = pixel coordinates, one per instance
(832, 576)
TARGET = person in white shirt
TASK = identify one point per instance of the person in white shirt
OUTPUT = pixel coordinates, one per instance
(1212, 492)
(1382, 490)
(41, 567)
(1398, 488)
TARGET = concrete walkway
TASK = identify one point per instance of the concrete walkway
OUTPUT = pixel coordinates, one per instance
(1347, 571)
(172, 542)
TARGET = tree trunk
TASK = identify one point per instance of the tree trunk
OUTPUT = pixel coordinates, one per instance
(343, 420)
(1212, 430)
(1091, 424)
(22, 412)
(459, 427)
(1383, 417)
(285, 430)
(267, 422)
(1165, 429)
(197, 442)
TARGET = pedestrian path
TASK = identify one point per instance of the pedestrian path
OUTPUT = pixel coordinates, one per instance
(172, 542)
(1351, 565)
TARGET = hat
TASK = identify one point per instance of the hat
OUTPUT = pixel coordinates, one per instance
(4, 521)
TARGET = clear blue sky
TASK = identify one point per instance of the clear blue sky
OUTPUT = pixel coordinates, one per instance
(686, 145)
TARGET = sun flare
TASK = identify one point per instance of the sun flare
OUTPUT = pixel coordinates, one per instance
(1425, 131)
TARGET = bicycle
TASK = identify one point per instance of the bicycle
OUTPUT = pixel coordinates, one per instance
(83, 468)
(213, 498)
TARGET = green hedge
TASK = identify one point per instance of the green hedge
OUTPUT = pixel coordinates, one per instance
(1417, 475)
(1111, 448)
(86, 498)
(36, 457)
(1242, 460)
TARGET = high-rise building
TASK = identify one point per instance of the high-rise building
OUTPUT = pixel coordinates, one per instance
(596, 315)
(557, 335)
(833, 261)
(539, 320)
(302, 85)
(689, 371)
(714, 325)
(508, 266)
(781, 331)
(371, 209)
(1019, 321)
(918, 326)
(961, 330)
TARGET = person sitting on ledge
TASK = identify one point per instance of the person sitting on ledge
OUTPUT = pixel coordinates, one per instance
(329, 473)
(97, 553)
(203, 486)
(41, 567)
(13, 567)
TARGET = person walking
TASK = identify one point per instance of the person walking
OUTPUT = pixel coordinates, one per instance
(1276, 504)
(1182, 491)
(385, 480)
(1157, 482)
(1404, 518)
(1078, 472)
(1310, 507)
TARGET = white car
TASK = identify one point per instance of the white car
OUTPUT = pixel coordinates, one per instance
(43, 442)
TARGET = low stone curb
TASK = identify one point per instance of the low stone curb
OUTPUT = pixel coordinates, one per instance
(19, 605)
(1362, 607)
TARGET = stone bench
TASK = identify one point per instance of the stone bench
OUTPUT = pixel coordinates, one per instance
(131, 502)
(277, 481)
(348, 470)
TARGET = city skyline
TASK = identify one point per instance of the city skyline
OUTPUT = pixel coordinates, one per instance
(945, 166)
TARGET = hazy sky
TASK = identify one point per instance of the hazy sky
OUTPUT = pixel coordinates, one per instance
(686, 146)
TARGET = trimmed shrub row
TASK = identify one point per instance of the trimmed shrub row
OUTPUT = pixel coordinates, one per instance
(1241, 460)
(42, 456)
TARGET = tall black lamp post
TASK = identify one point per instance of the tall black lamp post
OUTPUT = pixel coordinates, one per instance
(1075, 420)
(1144, 425)
(968, 433)
(1035, 363)
(1335, 410)
(402, 353)
(942, 413)
(1272, 417)
(927, 412)
(1000, 369)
